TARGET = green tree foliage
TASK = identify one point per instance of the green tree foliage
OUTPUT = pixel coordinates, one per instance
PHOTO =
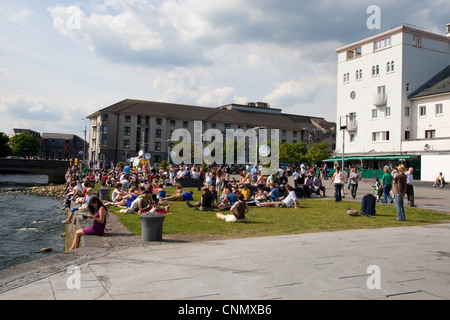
(5, 149)
(293, 152)
(318, 152)
(24, 144)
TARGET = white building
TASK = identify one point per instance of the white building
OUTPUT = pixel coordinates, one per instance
(383, 84)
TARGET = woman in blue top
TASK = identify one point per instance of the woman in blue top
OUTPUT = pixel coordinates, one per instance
(386, 179)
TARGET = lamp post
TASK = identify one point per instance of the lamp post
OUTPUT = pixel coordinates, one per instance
(343, 127)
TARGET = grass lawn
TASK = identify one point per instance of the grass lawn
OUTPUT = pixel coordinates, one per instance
(315, 215)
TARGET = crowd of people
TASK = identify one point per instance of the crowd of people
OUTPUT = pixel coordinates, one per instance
(143, 189)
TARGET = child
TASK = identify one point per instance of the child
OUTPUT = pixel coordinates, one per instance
(378, 189)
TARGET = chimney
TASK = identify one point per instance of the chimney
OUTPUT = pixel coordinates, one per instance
(447, 30)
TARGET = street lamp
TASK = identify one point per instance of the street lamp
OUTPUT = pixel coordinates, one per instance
(343, 127)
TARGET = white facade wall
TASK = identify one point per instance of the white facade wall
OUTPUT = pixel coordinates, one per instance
(418, 56)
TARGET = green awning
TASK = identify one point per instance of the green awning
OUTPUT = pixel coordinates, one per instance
(372, 158)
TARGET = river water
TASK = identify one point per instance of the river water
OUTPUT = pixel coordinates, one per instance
(28, 223)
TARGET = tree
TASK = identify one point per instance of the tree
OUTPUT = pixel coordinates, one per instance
(24, 144)
(5, 149)
(318, 152)
(293, 152)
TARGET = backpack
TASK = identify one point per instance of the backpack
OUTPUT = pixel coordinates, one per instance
(368, 203)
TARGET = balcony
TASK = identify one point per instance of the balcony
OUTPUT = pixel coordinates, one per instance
(380, 99)
(352, 126)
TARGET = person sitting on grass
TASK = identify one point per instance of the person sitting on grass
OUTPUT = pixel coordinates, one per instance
(142, 204)
(238, 211)
(205, 204)
(287, 202)
(229, 199)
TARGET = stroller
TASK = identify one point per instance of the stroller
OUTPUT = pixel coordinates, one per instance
(378, 189)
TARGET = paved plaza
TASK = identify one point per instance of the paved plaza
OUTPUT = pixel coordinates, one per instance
(391, 263)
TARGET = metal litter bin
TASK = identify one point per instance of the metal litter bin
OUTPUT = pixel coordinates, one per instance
(152, 226)
(103, 194)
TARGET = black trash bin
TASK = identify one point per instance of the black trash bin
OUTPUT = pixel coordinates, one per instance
(152, 226)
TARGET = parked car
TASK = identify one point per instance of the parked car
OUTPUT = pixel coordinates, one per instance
(14, 157)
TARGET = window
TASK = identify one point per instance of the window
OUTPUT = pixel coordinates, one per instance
(358, 74)
(185, 124)
(354, 53)
(381, 44)
(439, 109)
(158, 133)
(387, 113)
(127, 118)
(408, 88)
(430, 134)
(157, 146)
(159, 121)
(346, 77)
(407, 111)
(407, 135)
(352, 138)
(126, 131)
(227, 126)
(173, 123)
(214, 125)
(294, 134)
(126, 143)
(375, 70)
(380, 136)
(283, 133)
(423, 111)
(374, 113)
(390, 67)
(417, 41)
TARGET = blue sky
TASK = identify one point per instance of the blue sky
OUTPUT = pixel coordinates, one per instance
(61, 61)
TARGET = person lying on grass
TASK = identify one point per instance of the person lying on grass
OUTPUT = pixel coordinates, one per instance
(287, 202)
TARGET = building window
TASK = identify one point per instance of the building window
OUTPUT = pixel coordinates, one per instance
(407, 111)
(346, 77)
(283, 133)
(375, 70)
(104, 117)
(294, 134)
(385, 43)
(390, 67)
(126, 143)
(157, 146)
(380, 136)
(352, 138)
(407, 135)
(158, 133)
(374, 113)
(423, 111)
(387, 112)
(430, 134)
(127, 118)
(354, 53)
(439, 109)
(126, 131)
(159, 121)
(417, 41)
(214, 125)
(227, 126)
(173, 123)
(408, 88)
(185, 124)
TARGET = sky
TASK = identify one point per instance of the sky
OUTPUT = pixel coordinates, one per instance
(62, 61)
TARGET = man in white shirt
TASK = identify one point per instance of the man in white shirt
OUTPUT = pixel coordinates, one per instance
(287, 202)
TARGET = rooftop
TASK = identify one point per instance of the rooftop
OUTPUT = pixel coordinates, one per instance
(439, 84)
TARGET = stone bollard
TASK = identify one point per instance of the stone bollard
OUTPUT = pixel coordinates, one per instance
(152, 226)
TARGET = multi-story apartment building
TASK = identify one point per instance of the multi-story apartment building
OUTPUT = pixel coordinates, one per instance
(393, 100)
(125, 128)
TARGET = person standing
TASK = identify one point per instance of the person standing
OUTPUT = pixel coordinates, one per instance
(355, 176)
(400, 191)
(386, 179)
(410, 187)
(338, 180)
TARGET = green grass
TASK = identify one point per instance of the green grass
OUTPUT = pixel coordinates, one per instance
(315, 215)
